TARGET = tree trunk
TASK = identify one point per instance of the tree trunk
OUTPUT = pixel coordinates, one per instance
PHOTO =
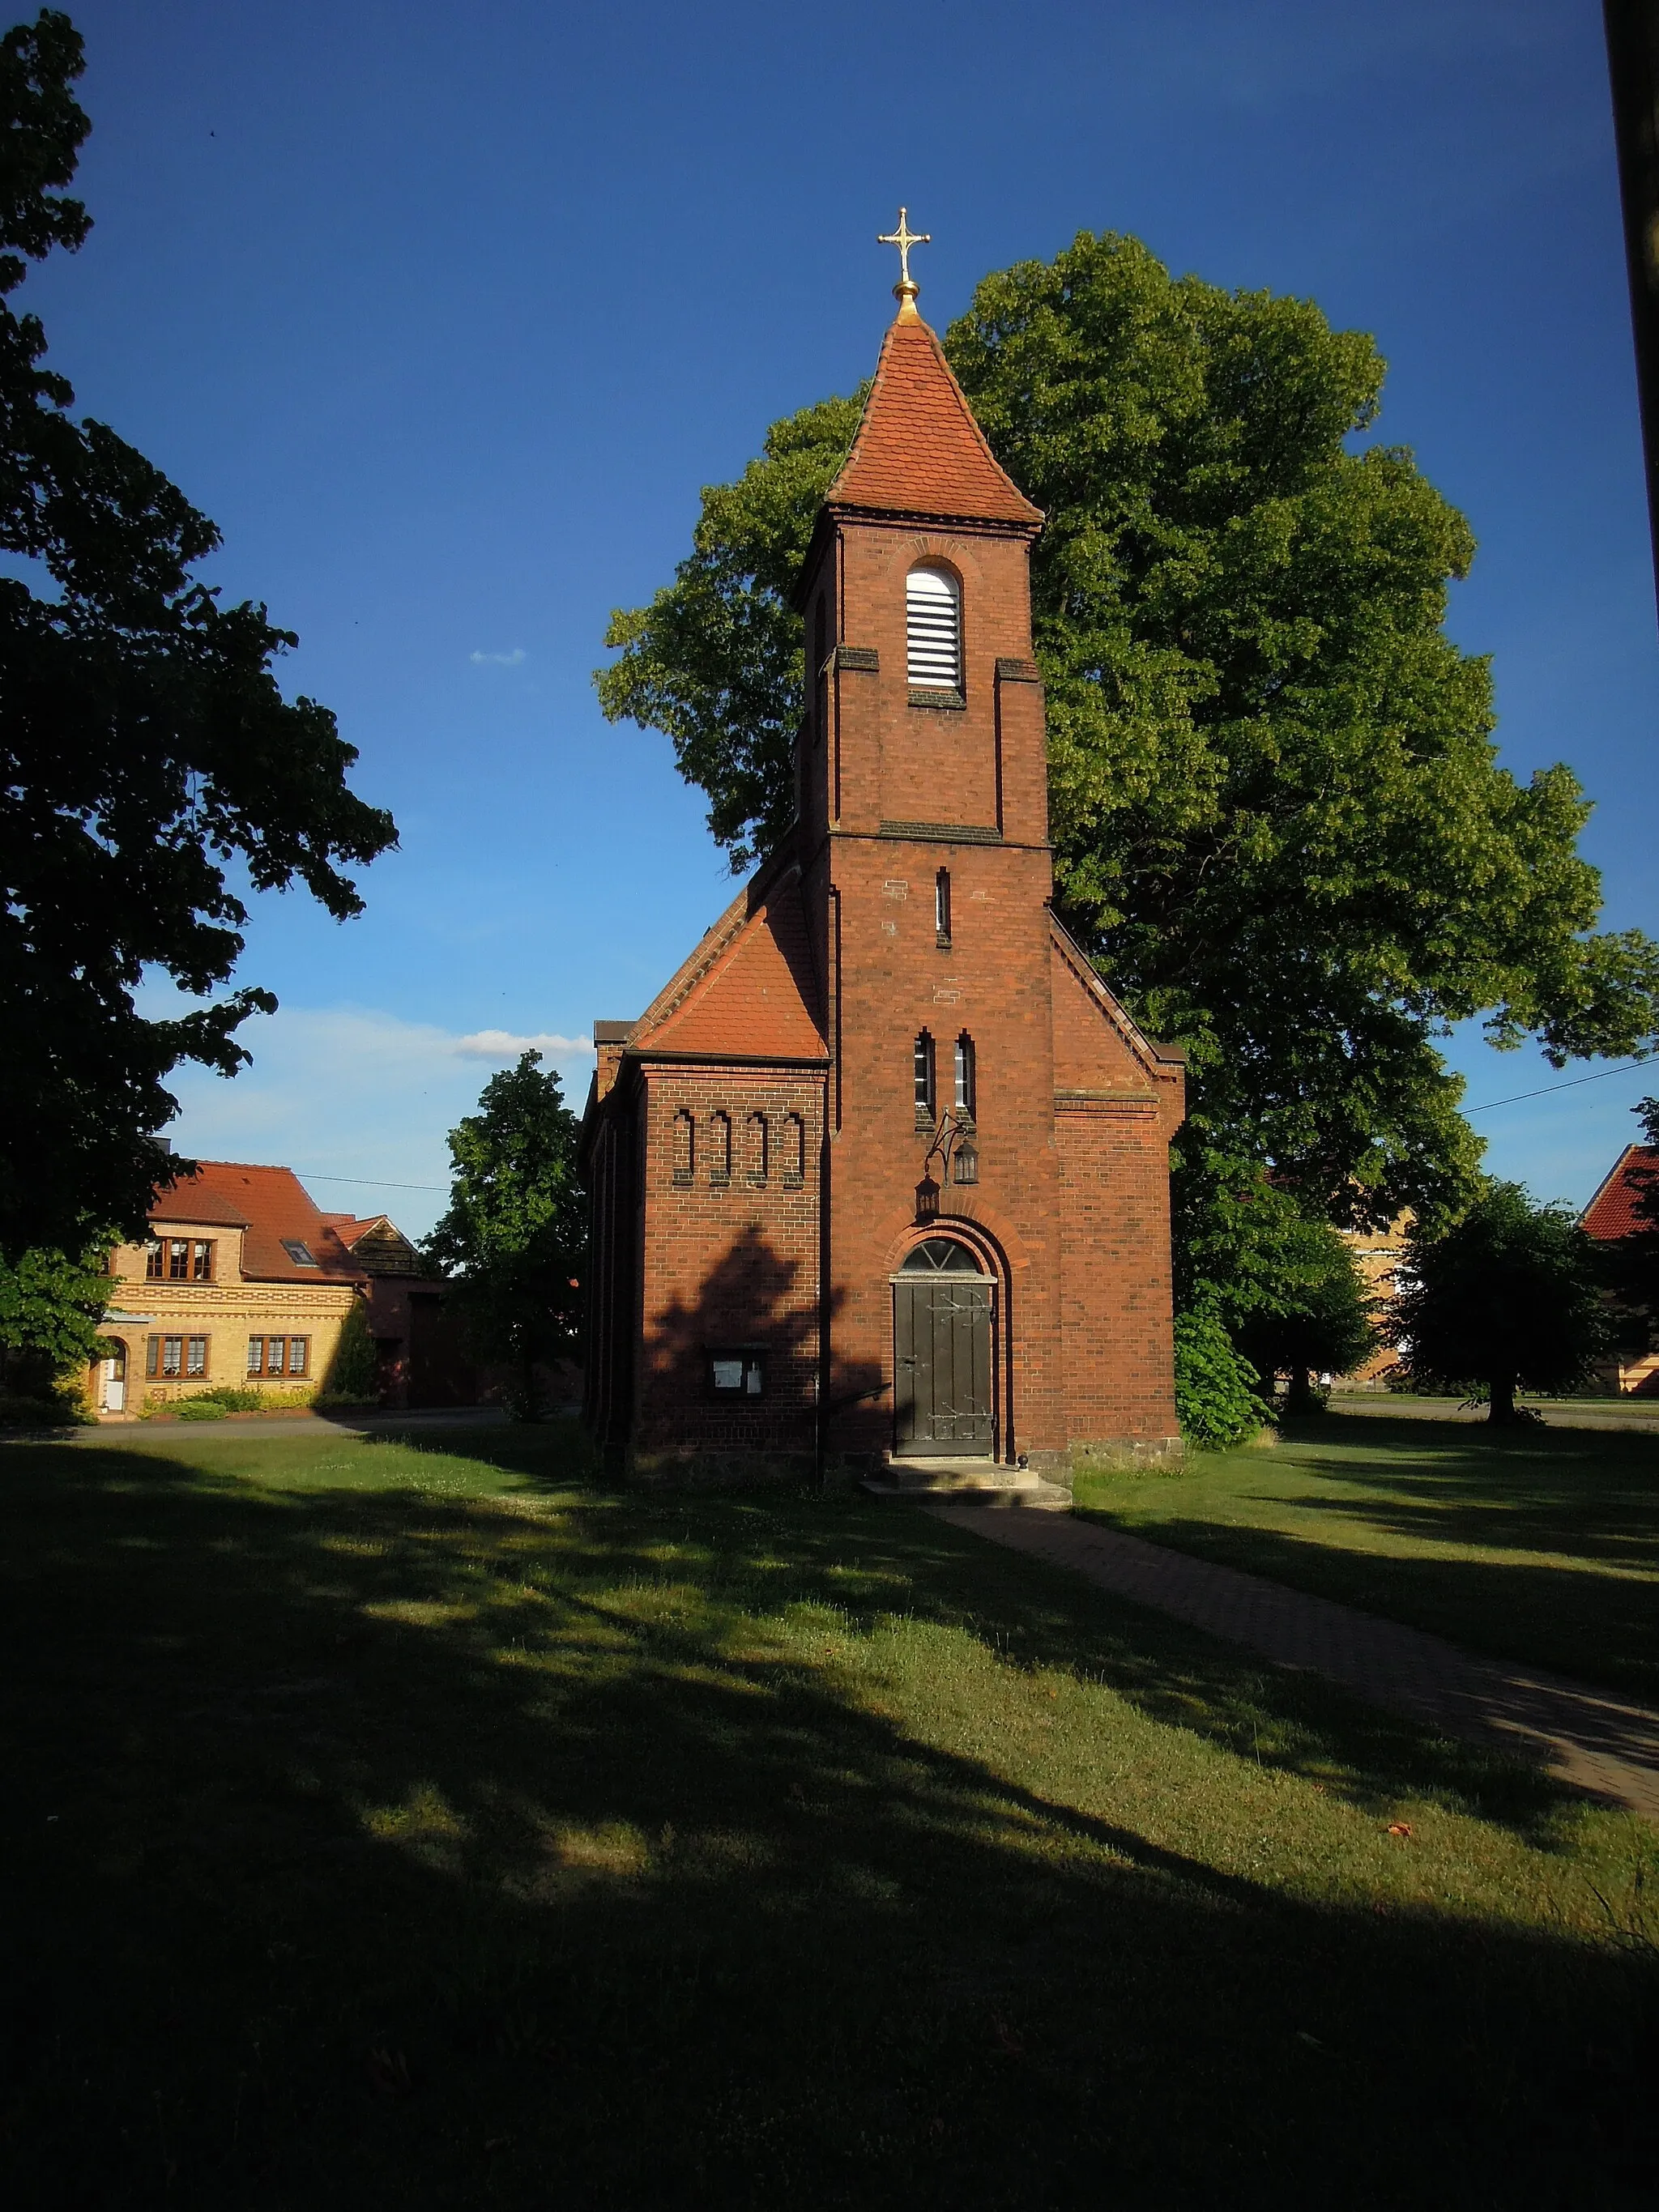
(1298, 1392)
(1501, 1412)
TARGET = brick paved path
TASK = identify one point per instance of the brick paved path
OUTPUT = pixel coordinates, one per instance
(1590, 1738)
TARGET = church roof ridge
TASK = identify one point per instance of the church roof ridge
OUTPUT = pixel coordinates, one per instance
(919, 449)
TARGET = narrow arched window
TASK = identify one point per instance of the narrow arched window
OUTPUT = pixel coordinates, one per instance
(967, 1085)
(924, 1080)
(933, 630)
(685, 1146)
(720, 1147)
(756, 1148)
(942, 906)
(791, 1151)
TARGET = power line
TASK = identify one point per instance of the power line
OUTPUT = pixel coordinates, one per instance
(366, 1183)
(1572, 1083)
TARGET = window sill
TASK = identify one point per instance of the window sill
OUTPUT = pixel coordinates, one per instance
(948, 702)
(719, 1182)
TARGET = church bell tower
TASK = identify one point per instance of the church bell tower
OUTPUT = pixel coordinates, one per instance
(924, 853)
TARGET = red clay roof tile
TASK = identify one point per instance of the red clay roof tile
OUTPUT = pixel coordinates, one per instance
(1611, 1213)
(270, 1204)
(919, 450)
(748, 988)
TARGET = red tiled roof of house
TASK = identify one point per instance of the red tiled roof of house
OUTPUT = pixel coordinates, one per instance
(270, 1204)
(749, 988)
(1611, 1213)
(919, 450)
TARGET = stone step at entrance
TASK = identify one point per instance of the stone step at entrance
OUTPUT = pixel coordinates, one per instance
(969, 1482)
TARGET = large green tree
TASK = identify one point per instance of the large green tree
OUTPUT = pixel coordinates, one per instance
(1508, 1298)
(1280, 823)
(513, 1241)
(146, 751)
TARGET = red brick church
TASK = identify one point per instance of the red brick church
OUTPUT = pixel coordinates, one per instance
(882, 1173)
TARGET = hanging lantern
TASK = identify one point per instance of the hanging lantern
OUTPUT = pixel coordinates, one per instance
(927, 1197)
(966, 1162)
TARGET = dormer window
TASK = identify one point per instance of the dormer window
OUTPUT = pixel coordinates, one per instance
(933, 630)
(300, 1254)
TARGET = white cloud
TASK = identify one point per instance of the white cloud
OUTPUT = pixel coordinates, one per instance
(500, 659)
(502, 1044)
(355, 1101)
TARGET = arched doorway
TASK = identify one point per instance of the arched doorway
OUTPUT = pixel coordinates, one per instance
(112, 1377)
(942, 1373)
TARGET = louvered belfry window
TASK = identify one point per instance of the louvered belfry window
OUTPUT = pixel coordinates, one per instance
(933, 630)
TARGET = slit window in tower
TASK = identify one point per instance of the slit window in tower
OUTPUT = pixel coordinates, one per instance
(942, 906)
(933, 630)
(924, 1080)
(966, 1083)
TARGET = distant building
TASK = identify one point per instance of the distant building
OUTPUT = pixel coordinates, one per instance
(1378, 1253)
(1612, 1213)
(245, 1281)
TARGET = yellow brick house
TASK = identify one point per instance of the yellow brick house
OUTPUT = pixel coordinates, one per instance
(244, 1281)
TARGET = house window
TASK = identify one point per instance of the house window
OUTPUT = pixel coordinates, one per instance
(737, 1373)
(278, 1355)
(942, 906)
(201, 1262)
(195, 1355)
(967, 1083)
(791, 1151)
(933, 630)
(685, 1147)
(178, 1259)
(756, 1139)
(299, 1253)
(924, 1080)
(720, 1148)
(165, 1356)
(156, 1261)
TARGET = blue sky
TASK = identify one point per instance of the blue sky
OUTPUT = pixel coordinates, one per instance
(445, 314)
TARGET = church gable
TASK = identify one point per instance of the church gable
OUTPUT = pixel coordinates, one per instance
(750, 989)
(1097, 1048)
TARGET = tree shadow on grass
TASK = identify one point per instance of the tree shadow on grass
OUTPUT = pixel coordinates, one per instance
(370, 1848)
(1546, 1491)
(1592, 1496)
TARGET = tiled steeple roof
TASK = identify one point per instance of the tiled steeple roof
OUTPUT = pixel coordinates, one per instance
(919, 450)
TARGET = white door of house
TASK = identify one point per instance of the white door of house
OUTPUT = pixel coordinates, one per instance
(113, 1390)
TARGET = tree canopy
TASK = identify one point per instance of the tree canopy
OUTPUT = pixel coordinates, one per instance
(1319, 1319)
(145, 748)
(514, 1238)
(51, 1304)
(1280, 823)
(1509, 1298)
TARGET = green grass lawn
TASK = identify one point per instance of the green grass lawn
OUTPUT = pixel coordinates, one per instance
(1541, 1545)
(431, 1827)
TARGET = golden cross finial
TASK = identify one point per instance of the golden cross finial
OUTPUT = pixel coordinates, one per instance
(904, 238)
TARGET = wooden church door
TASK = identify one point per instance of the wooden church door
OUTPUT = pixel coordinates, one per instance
(942, 1351)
